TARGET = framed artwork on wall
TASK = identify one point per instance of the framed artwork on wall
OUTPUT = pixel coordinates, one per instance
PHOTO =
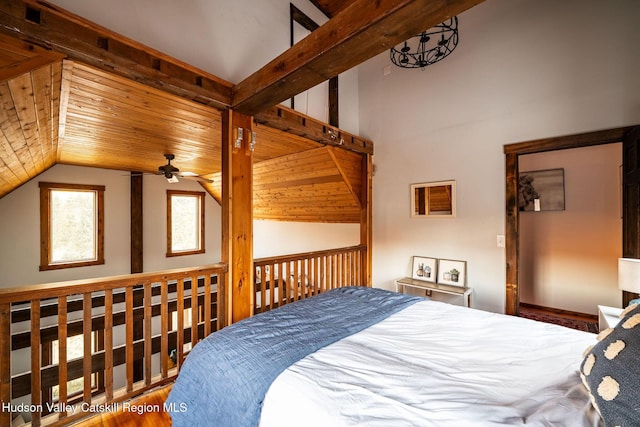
(452, 272)
(424, 268)
(541, 190)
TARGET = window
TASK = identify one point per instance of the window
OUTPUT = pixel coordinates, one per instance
(75, 350)
(71, 225)
(185, 223)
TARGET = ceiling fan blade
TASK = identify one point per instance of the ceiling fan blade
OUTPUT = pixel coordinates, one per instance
(197, 178)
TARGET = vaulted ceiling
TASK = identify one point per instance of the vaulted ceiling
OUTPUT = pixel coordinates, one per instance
(74, 93)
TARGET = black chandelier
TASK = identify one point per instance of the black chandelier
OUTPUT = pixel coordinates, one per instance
(428, 47)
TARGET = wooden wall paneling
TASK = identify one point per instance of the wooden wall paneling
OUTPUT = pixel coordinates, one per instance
(237, 215)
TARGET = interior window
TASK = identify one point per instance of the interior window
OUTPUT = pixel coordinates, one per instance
(185, 222)
(71, 225)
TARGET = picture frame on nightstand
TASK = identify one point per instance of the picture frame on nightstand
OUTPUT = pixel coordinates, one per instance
(452, 272)
(425, 269)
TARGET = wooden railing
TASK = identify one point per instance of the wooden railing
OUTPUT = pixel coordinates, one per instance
(283, 279)
(132, 333)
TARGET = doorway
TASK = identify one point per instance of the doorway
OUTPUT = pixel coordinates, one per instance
(512, 226)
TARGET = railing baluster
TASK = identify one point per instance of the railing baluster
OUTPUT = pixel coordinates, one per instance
(108, 344)
(5, 361)
(128, 300)
(148, 350)
(36, 394)
(194, 311)
(164, 326)
(207, 305)
(180, 315)
(272, 285)
(88, 350)
(62, 352)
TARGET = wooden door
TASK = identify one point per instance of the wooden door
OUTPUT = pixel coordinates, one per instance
(631, 200)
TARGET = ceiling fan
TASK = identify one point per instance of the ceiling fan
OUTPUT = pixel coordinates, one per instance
(171, 173)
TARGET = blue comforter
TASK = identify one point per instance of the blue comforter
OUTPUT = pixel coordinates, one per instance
(226, 376)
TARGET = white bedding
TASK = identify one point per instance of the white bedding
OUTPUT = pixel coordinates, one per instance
(435, 364)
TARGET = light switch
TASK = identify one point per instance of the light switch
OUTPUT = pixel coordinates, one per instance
(500, 240)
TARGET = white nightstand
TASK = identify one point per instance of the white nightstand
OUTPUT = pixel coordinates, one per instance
(462, 291)
(608, 317)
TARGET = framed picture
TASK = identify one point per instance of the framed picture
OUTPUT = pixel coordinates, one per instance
(541, 190)
(452, 272)
(424, 269)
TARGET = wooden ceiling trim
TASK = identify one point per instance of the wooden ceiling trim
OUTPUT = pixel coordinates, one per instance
(288, 120)
(358, 32)
(80, 39)
(19, 57)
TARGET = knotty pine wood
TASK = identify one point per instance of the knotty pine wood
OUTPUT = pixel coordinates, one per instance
(237, 215)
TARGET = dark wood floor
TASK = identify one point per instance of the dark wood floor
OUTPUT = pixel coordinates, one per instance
(561, 313)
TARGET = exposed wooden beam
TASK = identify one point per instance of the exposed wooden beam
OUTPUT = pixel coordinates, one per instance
(331, 7)
(288, 120)
(359, 32)
(53, 28)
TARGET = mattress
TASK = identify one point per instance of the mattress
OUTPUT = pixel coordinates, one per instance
(435, 364)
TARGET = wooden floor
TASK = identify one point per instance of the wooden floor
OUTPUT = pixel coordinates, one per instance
(151, 404)
(562, 313)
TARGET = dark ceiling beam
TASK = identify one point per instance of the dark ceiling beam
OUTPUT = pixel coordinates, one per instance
(50, 27)
(357, 33)
(331, 7)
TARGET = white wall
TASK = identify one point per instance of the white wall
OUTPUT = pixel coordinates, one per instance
(273, 238)
(20, 227)
(569, 258)
(523, 70)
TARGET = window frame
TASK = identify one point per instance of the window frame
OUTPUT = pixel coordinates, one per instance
(45, 225)
(200, 196)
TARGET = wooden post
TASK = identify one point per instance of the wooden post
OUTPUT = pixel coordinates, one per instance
(5, 361)
(236, 302)
(136, 223)
(512, 304)
(366, 224)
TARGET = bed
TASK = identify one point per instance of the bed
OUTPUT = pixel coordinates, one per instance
(363, 356)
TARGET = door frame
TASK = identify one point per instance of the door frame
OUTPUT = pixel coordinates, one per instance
(512, 220)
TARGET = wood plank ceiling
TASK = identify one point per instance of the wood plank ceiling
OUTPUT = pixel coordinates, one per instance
(66, 112)
(117, 104)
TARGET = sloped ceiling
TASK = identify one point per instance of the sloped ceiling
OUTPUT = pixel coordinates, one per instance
(66, 112)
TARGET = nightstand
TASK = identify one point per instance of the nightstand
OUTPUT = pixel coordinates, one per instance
(608, 317)
(463, 291)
